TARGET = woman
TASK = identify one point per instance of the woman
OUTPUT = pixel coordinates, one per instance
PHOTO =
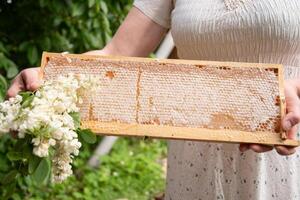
(224, 30)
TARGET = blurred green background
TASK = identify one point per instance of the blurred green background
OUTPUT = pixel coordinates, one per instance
(133, 169)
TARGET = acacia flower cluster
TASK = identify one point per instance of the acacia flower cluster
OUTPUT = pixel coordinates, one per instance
(50, 118)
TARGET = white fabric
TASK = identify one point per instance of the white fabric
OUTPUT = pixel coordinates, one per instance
(158, 10)
(256, 31)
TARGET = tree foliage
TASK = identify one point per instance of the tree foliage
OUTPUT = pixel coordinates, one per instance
(29, 27)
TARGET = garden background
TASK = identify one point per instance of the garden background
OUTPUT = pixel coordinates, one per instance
(133, 169)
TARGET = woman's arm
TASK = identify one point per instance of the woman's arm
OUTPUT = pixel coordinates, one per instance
(138, 35)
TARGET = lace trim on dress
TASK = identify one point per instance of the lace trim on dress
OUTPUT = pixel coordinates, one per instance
(233, 4)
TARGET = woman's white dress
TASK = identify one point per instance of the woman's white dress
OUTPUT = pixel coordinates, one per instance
(265, 31)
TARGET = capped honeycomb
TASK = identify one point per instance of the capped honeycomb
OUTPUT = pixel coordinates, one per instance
(144, 96)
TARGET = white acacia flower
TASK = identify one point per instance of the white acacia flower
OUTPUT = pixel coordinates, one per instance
(41, 150)
(57, 134)
(36, 141)
(48, 121)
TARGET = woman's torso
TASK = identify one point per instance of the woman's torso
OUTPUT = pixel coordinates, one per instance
(256, 31)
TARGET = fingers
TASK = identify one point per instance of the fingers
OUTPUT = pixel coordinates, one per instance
(292, 132)
(285, 151)
(31, 78)
(16, 86)
(292, 108)
(260, 148)
(27, 79)
(255, 147)
(282, 150)
(244, 147)
(291, 119)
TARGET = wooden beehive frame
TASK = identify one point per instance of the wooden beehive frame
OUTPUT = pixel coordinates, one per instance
(186, 133)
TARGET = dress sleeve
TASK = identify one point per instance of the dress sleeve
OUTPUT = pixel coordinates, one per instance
(157, 10)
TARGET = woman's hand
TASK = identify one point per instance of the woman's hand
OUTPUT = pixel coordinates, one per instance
(28, 79)
(289, 122)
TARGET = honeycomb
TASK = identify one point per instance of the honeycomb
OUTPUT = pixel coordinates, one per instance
(212, 95)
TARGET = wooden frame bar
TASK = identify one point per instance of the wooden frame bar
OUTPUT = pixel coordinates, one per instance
(185, 133)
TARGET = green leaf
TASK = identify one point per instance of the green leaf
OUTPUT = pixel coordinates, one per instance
(27, 98)
(3, 82)
(43, 131)
(32, 54)
(76, 119)
(10, 189)
(77, 9)
(42, 3)
(45, 43)
(42, 171)
(27, 102)
(61, 43)
(51, 151)
(2, 48)
(105, 22)
(10, 177)
(34, 162)
(21, 151)
(12, 71)
(21, 143)
(25, 94)
(13, 156)
(27, 151)
(9, 66)
(57, 21)
(91, 3)
(23, 46)
(16, 196)
(107, 37)
(87, 135)
(2, 96)
(4, 163)
(23, 168)
(103, 7)
(96, 23)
